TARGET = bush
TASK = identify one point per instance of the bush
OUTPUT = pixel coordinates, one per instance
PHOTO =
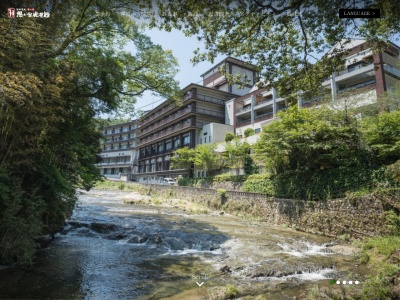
(264, 186)
(230, 292)
(229, 177)
(249, 132)
(229, 137)
(265, 176)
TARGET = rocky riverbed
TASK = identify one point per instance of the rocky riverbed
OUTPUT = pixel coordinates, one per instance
(166, 249)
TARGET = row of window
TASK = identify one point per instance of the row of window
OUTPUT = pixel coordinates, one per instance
(158, 148)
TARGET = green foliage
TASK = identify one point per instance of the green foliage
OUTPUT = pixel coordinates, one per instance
(223, 196)
(277, 36)
(386, 245)
(382, 135)
(183, 158)
(205, 157)
(259, 186)
(249, 166)
(230, 292)
(249, 132)
(265, 176)
(230, 177)
(57, 76)
(229, 137)
(236, 153)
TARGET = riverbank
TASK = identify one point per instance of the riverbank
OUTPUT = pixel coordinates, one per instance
(383, 282)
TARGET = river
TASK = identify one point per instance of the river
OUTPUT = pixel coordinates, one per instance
(112, 250)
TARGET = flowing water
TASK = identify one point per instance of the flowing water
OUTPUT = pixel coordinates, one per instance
(112, 250)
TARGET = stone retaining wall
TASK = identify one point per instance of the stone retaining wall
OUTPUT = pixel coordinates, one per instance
(344, 218)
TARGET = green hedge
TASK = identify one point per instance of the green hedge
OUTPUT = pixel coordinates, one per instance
(230, 177)
(259, 185)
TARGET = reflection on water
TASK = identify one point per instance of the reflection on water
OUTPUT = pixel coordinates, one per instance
(110, 250)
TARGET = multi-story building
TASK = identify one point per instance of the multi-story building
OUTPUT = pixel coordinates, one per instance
(366, 74)
(119, 150)
(207, 112)
(199, 118)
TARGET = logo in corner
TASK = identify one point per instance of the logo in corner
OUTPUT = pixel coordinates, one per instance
(11, 12)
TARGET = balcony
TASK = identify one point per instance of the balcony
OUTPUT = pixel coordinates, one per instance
(181, 113)
(263, 117)
(164, 133)
(347, 74)
(392, 70)
(204, 98)
(244, 110)
(243, 122)
(158, 113)
(357, 86)
(263, 103)
(113, 163)
(168, 120)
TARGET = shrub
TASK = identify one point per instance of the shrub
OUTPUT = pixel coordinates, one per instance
(264, 186)
(230, 177)
(248, 132)
(229, 137)
(230, 292)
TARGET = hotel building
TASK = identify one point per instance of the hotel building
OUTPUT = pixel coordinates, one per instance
(119, 150)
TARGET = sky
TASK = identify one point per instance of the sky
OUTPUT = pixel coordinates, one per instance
(182, 48)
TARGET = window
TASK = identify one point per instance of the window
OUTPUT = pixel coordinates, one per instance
(160, 147)
(186, 140)
(168, 145)
(177, 143)
(200, 141)
(205, 133)
(209, 139)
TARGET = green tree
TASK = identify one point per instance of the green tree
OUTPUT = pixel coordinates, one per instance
(315, 153)
(206, 158)
(248, 132)
(229, 136)
(184, 159)
(236, 153)
(278, 36)
(382, 135)
(56, 76)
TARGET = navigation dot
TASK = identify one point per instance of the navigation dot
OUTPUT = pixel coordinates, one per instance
(356, 282)
(338, 282)
(350, 282)
(344, 281)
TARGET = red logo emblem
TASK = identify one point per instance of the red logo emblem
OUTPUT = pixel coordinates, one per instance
(11, 13)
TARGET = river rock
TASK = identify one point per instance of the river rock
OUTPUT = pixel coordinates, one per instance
(155, 239)
(103, 227)
(116, 236)
(138, 238)
(225, 269)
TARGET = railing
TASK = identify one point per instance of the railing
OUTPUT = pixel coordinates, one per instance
(342, 72)
(265, 116)
(244, 121)
(165, 132)
(244, 109)
(357, 86)
(157, 114)
(270, 101)
(168, 120)
(210, 112)
(204, 98)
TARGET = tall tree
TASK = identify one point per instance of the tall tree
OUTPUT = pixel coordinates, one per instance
(206, 158)
(283, 37)
(57, 75)
(183, 159)
(236, 153)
